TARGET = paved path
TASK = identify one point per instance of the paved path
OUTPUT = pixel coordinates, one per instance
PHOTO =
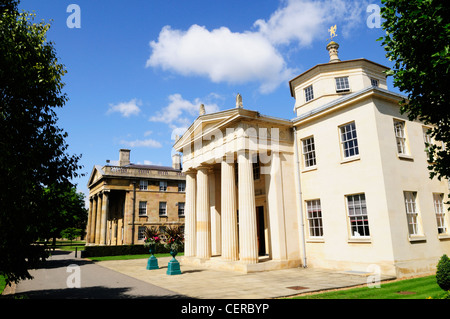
(53, 279)
(126, 279)
(207, 283)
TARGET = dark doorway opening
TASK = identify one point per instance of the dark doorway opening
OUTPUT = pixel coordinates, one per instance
(260, 230)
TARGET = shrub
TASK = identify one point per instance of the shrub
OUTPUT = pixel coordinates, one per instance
(101, 251)
(443, 273)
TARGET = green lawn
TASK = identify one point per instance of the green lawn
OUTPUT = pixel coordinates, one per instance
(417, 288)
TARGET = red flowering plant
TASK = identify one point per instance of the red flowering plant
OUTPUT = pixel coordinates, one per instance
(152, 236)
(174, 237)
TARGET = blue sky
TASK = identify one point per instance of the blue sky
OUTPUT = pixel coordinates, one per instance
(138, 70)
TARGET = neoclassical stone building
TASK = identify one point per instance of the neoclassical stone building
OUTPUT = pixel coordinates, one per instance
(344, 185)
(126, 198)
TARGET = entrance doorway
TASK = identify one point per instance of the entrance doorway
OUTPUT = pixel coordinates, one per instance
(260, 227)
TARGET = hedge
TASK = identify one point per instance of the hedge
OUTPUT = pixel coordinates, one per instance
(101, 251)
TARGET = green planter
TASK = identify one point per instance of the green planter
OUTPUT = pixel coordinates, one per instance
(152, 262)
(173, 268)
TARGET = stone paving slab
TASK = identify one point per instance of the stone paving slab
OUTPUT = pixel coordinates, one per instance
(207, 283)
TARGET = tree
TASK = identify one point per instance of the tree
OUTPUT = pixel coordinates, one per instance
(71, 233)
(33, 151)
(418, 41)
(64, 209)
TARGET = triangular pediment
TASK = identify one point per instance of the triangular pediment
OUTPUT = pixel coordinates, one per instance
(96, 174)
(205, 127)
(210, 122)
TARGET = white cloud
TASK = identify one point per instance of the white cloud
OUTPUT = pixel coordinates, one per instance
(126, 108)
(181, 111)
(303, 21)
(220, 55)
(299, 21)
(249, 56)
(142, 143)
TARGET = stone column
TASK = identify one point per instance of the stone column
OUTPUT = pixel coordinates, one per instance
(248, 241)
(214, 215)
(203, 220)
(104, 224)
(120, 231)
(228, 211)
(93, 220)
(88, 226)
(274, 188)
(98, 218)
(190, 229)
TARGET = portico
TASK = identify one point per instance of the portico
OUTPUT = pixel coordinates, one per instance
(234, 162)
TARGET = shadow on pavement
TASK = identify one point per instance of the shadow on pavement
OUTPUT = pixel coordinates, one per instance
(98, 292)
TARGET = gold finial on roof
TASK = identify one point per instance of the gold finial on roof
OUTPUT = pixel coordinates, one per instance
(332, 31)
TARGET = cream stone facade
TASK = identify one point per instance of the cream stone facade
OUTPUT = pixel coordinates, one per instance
(344, 185)
(125, 199)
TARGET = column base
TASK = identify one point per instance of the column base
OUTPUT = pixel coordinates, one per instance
(264, 264)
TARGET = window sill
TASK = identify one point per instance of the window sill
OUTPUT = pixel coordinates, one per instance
(350, 159)
(405, 157)
(359, 240)
(163, 216)
(417, 238)
(309, 169)
(315, 240)
(444, 236)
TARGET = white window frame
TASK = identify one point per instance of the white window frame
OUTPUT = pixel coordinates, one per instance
(163, 186)
(427, 139)
(162, 208)
(412, 213)
(309, 152)
(143, 185)
(141, 232)
(349, 140)
(440, 211)
(181, 186)
(342, 84)
(358, 217)
(400, 137)
(142, 208)
(181, 207)
(314, 217)
(309, 93)
(374, 82)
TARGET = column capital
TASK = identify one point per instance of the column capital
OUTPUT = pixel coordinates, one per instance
(203, 168)
(191, 171)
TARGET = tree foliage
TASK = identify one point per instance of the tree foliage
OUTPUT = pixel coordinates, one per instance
(33, 151)
(64, 209)
(418, 41)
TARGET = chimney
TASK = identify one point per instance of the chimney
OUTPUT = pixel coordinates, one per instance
(176, 161)
(124, 157)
